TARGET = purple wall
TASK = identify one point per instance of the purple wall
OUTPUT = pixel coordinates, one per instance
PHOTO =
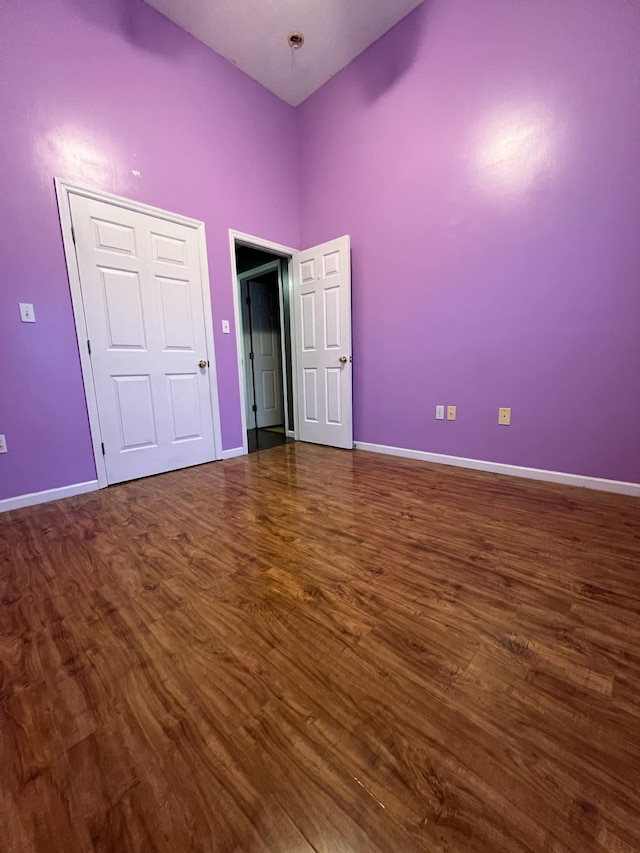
(91, 90)
(485, 158)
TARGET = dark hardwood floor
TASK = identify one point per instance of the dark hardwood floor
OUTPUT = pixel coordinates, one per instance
(318, 650)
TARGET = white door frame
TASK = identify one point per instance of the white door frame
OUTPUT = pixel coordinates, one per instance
(287, 255)
(64, 189)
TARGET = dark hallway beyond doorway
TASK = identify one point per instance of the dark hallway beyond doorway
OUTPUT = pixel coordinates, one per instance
(265, 439)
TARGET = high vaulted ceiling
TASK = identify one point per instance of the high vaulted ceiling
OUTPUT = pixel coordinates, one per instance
(253, 35)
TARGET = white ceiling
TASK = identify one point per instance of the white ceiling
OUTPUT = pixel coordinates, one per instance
(253, 35)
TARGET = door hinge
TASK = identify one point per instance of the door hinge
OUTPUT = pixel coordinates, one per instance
(89, 346)
(73, 234)
(254, 407)
(251, 356)
(104, 452)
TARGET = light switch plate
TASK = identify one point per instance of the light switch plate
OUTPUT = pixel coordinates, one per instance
(451, 413)
(439, 413)
(27, 314)
(226, 329)
(504, 417)
(3, 444)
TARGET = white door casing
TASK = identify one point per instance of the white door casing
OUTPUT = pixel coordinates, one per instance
(287, 261)
(144, 299)
(322, 310)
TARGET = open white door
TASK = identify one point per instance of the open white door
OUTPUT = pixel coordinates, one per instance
(144, 302)
(322, 312)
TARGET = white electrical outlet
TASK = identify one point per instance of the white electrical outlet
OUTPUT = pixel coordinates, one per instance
(439, 413)
(27, 314)
(3, 444)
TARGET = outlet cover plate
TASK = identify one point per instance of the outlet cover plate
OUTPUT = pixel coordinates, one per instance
(452, 413)
(3, 444)
(439, 413)
(504, 417)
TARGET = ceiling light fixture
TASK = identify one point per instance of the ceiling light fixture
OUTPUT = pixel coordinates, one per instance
(295, 40)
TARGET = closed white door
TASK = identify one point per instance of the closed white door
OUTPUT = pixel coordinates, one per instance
(248, 357)
(264, 308)
(142, 292)
(322, 307)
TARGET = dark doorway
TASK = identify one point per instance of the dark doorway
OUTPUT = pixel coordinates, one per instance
(266, 348)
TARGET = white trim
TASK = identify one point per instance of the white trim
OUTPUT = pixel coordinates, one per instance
(49, 495)
(283, 350)
(64, 190)
(66, 187)
(617, 486)
(259, 243)
(235, 451)
(288, 254)
(212, 371)
(257, 271)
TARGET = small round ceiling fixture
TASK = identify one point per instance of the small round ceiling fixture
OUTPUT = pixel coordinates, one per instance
(295, 40)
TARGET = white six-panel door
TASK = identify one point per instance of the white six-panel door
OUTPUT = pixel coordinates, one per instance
(246, 349)
(267, 353)
(142, 292)
(322, 307)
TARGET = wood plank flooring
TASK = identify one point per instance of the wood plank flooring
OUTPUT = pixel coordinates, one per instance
(318, 650)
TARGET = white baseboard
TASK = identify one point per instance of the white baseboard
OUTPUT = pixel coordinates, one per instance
(49, 495)
(290, 433)
(235, 451)
(617, 486)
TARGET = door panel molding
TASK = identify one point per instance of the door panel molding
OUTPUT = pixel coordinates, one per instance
(119, 243)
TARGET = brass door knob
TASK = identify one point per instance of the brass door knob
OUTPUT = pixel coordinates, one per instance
(203, 363)
(343, 359)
